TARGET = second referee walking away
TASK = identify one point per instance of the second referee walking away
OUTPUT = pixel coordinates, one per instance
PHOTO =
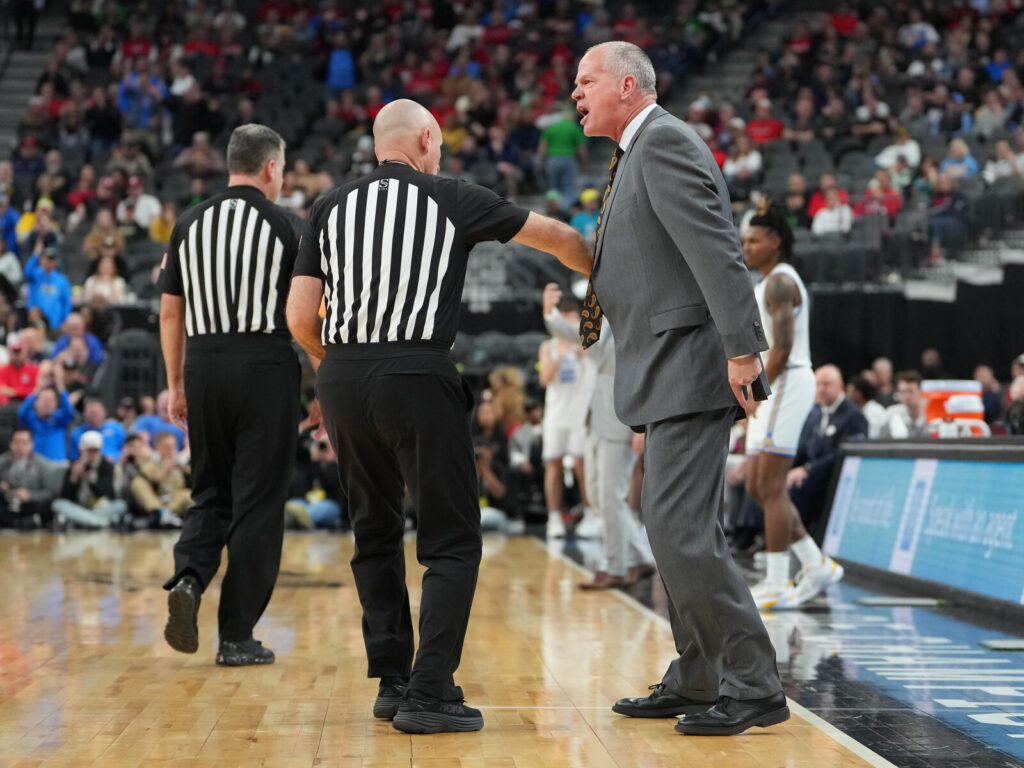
(389, 252)
(233, 374)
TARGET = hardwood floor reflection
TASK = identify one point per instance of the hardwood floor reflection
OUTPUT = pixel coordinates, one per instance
(86, 679)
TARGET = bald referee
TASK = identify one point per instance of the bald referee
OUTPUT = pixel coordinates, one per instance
(389, 253)
(233, 374)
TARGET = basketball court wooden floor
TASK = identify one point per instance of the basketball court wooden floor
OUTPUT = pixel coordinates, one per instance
(86, 679)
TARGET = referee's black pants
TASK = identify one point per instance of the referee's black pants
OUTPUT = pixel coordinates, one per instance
(243, 394)
(414, 428)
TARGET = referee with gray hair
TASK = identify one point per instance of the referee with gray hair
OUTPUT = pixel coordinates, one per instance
(234, 376)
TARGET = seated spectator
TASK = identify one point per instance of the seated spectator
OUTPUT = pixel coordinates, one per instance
(106, 285)
(47, 413)
(959, 163)
(764, 128)
(163, 225)
(292, 196)
(817, 201)
(743, 157)
(902, 175)
(946, 212)
(585, 222)
(931, 365)
(836, 216)
(104, 230)
(201, 159)
(37, 230)
(1006, 164)
(95, 414)
(904, 146)
(906, 419)
(833, 419)
(861, 392)
(87, 498)
(49, 290)
(155, 423)
(139, 210)
(881, 197)
(74, 328)
(992, 115)
(871, 117)
(27, 482)
(991, 392)
(803, 127)
(317, 499)
(159, 487)
(18, 377)
(490, 445)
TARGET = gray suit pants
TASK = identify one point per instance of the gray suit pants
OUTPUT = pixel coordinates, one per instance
(723, 647)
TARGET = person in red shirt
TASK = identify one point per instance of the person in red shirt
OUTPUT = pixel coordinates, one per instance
(845, 20)
(817, 201)
(764, 129)
(18, 377)
(880, 197)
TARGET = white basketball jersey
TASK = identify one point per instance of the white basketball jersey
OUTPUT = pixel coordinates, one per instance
(565, 400)
(800, 356)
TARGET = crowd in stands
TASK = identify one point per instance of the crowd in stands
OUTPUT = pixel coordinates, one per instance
(900, 112)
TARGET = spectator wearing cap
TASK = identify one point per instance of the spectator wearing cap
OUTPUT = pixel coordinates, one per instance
(113, 434)
(47, 413)
(87, 497)
(49, 290)
(139, 209)
(18, 377)
(74, 328)
(585, 222)
(8, 223)
(553, 206)
(764, 128)
(27, 160)
(561, 149)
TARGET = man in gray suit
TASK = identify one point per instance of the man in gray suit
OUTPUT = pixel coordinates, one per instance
(668, 271)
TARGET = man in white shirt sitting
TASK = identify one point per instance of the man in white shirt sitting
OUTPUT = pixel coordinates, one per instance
(906, 418)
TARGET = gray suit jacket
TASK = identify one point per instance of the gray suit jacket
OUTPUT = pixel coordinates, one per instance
(669, 274)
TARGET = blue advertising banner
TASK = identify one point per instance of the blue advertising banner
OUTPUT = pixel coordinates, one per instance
(959, 523)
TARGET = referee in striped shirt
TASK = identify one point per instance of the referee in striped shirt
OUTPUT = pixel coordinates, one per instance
(389, 252)
(233, 374)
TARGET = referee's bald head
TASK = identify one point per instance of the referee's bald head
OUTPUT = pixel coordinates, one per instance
(406, 132)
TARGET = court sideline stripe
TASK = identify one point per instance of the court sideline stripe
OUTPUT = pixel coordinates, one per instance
(860, 750)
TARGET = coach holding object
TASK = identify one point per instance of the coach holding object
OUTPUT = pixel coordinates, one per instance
(668, 271)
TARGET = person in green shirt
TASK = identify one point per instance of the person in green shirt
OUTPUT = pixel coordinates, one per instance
(561, 149)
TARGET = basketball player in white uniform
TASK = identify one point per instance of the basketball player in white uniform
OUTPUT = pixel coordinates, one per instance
(774, 430)
(565, 401)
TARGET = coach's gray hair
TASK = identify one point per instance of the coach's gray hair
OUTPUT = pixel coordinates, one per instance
(251, 146)
(622, 58)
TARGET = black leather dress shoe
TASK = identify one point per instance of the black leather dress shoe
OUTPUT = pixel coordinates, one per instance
(182, 629)
(661, 703)
(243, 654)
(731, 716)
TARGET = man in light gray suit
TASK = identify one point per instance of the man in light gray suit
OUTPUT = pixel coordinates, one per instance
(668, 271)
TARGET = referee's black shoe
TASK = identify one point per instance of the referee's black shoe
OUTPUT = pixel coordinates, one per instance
(436, 716)
(243, 654)
(389, 695)
(182, 630)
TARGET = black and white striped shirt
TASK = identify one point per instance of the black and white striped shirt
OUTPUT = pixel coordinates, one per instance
(392, 248)
(231, 258)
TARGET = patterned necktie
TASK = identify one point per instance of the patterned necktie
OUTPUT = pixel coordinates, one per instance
(591, 315)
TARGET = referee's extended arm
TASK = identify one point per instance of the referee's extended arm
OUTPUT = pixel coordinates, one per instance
(172, 341)
(559, 239)
(304, 323)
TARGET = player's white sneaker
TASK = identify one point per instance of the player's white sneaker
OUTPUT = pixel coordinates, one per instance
(812, 580)
(555, 527)
(772, 597)
(590, 527)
